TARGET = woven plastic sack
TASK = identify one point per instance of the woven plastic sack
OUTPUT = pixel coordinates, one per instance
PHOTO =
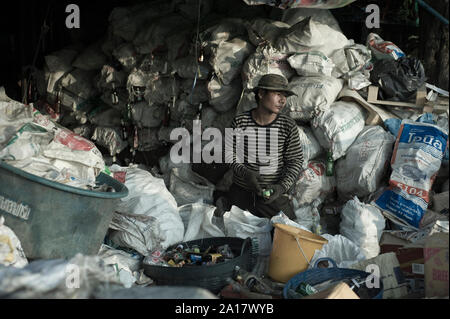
(315, 94)
(360, 171)
(363, 224)
(337, 128)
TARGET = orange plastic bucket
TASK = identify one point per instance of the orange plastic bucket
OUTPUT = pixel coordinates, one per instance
(292, 250)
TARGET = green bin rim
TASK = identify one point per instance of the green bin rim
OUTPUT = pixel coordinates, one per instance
(121, 189)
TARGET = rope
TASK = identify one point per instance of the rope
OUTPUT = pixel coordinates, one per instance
(303, 253)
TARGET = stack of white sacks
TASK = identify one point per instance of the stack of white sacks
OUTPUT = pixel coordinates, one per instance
(153, 66)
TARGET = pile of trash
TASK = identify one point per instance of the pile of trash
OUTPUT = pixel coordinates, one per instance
(36, 144)
(161, 67)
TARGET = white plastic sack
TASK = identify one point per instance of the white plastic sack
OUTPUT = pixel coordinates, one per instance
(11, 252)
(308, 216)
(312, 34)
(57, 279)
(265, 60)
(243, 224)
(110, 138)
(339, 248)
(313, 184)
(311, 63)
(13, 115)
(226, 29)
(125, 264)
(188, 187)
(360, 171)
(76, 87)
(29, 141)
(315, 94)
(337, 128)
(198, 219)
(363, 224)
(310, 146)
(224, 97)
(148, 217)
(228, 57)
(68, 146)
(350, 60)
(282, 219)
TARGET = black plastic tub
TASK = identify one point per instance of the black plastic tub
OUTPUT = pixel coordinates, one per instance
(212, 277)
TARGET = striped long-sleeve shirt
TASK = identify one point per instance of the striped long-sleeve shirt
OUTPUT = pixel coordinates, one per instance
(273, 150)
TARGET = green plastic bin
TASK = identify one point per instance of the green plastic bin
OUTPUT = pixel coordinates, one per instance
(53, 220)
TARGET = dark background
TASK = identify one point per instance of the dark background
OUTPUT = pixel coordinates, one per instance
(21, 22)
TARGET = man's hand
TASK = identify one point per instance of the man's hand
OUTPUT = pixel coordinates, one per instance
(253, 178)
(278, 190)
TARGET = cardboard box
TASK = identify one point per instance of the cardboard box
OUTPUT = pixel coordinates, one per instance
(409, 255)
(436, 265)
(339, 291)
(394, 283)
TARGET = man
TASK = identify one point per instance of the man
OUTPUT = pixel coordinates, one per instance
(272, 159)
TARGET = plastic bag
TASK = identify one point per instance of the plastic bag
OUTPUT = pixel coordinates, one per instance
(198, 219)
(315, 94)
(313, 184)
(363, 224)
(339, 248)
(310, 146)
(224, 97)
(265, 60)
(308, 216)
(148, 217)
(337, 128)
(383, 49)
(417, 158)
(243, 224)
(110, 138)
(311, 63)
(310, 34)
(76, 278)
(228, 57)
(398, 79)
(188, 187)
(360, 171)
(11, 252)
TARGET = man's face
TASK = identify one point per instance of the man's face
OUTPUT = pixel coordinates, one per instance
(273, 101)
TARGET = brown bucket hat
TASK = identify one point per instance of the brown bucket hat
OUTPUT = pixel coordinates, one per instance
(274, 82)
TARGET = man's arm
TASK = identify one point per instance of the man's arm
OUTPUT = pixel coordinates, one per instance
(293, 158)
